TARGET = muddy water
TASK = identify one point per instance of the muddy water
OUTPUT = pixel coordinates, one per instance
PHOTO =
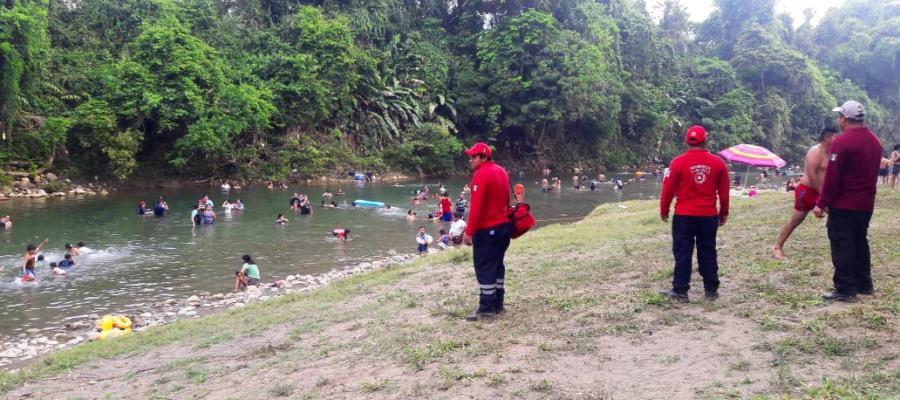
(133, 261)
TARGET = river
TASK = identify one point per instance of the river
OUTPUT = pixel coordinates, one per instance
(134, 261)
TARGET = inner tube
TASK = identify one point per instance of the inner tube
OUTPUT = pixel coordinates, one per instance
(426, 240)
(360, 177)
(368, 203)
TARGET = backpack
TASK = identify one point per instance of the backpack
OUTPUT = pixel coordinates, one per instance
(521, 219)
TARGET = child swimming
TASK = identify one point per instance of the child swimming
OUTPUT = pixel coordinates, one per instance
(281, 220)
(341, 233)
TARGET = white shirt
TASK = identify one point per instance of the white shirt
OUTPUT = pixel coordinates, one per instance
(457, 228)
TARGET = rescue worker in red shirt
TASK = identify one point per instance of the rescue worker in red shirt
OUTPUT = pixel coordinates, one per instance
(697, 178)
(488, 229)
(848, 196)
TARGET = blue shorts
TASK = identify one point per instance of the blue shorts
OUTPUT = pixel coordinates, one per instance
(30, 272)
(447, 217)
(423, 248)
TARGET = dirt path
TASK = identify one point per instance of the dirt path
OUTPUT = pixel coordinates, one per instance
(584, 322)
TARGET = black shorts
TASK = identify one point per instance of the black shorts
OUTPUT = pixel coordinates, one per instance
(883, 172)
(252, 282)
(896, 170)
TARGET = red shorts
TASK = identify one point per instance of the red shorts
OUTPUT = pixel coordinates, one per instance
(805, 198)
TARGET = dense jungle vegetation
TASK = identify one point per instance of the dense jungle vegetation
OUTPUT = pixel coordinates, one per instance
(269, 89)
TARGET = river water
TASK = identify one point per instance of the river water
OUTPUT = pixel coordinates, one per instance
(133, 261)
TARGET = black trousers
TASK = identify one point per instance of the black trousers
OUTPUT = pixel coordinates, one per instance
(489, 248)
(847, 232)
(688, 231)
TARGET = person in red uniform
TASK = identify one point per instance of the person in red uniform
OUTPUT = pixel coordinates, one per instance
(446, 208)
(848, 196)
(488, 229)
(697, 178)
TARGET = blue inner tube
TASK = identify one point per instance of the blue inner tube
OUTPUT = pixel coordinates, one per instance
(368, 203)
(360, 177)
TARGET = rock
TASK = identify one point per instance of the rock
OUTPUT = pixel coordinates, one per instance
(79, 190)
(74, 341)
(169, 314)
(146, 315)
(252, 289)
(290, 278)
(203, 294)
(186, 310)
(171, 302)
(392, 252)
(24, 181)
(9, 353)
(193, 299)
(237, 305)
(218, 296)
(51, 177)
(104, 192)
(32, 331)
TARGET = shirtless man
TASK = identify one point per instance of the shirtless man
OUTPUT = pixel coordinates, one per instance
(884, 170)
(807, 192)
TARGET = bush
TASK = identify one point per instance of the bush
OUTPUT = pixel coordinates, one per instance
(431, 151)
(57, 186)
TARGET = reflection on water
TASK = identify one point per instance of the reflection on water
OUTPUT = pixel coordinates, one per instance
(134, 261)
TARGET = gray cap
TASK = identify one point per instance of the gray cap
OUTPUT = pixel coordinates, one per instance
(851, 109)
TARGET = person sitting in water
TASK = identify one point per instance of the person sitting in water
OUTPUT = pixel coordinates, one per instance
(209, 203)
(410, 215)
(331, 205)
(227, 206)
(305, 207)
(209, 216)
(457, 228)
(5, 222)
(67, 263)
(142, 208)
(81, 248)
(444, 241)
(341, 233)
(238, 205)
(160, 208)
(327, 196)
(281, 220)
(248, 275)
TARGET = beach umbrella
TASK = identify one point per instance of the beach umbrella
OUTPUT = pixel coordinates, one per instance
(752, 156)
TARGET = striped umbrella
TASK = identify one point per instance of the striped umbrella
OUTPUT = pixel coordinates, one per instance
(753, 156)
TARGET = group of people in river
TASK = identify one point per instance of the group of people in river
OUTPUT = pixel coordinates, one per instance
(33, 258)
(203, 213)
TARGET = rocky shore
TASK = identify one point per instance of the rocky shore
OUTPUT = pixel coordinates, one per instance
(49, 185)
(25, 348)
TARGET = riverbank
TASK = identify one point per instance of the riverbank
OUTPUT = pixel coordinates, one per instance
(584, 321)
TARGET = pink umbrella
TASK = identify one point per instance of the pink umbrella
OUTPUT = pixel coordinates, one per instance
(753, 156)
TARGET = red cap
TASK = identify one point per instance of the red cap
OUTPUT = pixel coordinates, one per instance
(695, 135)
(479, 149)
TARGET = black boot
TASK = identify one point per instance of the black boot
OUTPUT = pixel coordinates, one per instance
(500, 308)
(487, 306)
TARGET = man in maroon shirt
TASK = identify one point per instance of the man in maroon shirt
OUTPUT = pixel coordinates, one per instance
(697, 178)
(488, 229)
(848, 196)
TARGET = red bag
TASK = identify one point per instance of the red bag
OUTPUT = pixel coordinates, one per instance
(521, 219)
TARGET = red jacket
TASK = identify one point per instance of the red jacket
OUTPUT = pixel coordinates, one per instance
(697, 178)
(489, 199)
(852, 176)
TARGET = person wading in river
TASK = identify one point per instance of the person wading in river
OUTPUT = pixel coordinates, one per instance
(697, 178)
(488, 229)
(848, 196)
(806, 194)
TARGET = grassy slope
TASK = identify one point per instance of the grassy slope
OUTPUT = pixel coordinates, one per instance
(584, 322)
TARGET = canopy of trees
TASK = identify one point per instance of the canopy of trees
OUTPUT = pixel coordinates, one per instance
(268, 89)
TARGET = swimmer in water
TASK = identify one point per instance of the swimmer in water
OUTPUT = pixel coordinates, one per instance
(31, 251)
(142, 208)
(67, 263)
(5, 222)
(160, 208)
(410, 215)
(341, 234)
(72, 251)
(238, 205)
(281, 220)
(57, 270)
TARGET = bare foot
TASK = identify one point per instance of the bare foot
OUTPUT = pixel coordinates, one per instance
(777, 253)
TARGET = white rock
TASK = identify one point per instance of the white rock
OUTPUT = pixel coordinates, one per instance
(192, 299)
(218, 296)
(290, 278)
(32, 331)
(237, 305)
(146, 315)
(51, 177)
(75, 341)
(169, 314)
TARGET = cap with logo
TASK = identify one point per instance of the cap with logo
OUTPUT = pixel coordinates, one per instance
(851, 109)
(479, 148)
(695, 135)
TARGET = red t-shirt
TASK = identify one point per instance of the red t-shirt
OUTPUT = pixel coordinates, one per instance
(697, 178)
(489, 198)
(445, 205)
(851, 179)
